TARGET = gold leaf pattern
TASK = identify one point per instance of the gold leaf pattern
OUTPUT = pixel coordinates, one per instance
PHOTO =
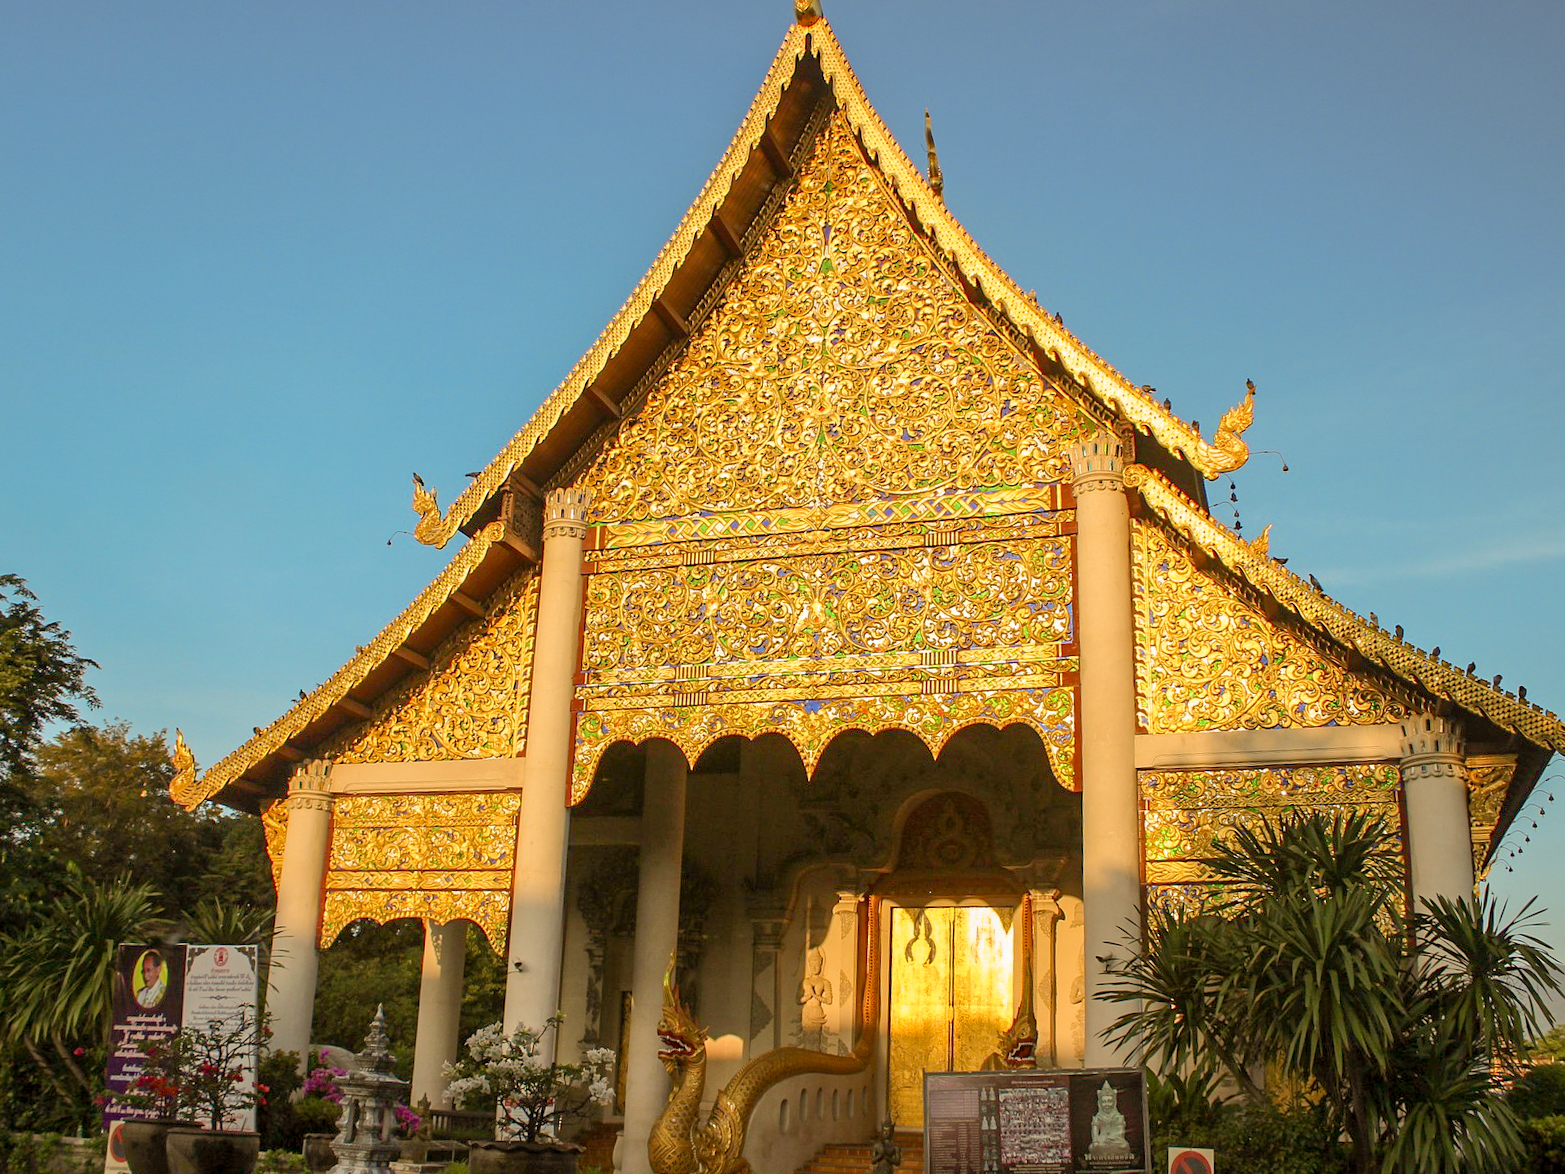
(438, 856)
(845, 363)
(1206, 659)
(1187, 812)
(473, 701)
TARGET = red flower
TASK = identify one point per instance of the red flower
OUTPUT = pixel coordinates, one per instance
(79, 1052)
(263, 1088)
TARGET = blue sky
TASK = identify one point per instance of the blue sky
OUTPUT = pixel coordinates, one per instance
(258, 263)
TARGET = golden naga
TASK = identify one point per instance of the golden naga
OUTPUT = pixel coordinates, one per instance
(184, 770)
(678, 1143)
(1263, 545)
(1017, 1046)
(1226, 452)
(428, 509)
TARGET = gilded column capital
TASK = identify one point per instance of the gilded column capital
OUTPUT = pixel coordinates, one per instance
(1432, 747)
(309, 788)
(1098, 463)
(565, 513)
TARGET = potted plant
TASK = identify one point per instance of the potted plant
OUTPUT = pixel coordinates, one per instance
(198, 1078)
(533, 1097)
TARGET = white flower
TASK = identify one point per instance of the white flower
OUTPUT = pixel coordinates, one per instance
(597, 1056)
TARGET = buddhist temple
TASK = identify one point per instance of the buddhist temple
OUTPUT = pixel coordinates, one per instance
(848, 632)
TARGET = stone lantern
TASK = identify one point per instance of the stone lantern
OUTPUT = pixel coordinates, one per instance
(367, 1141)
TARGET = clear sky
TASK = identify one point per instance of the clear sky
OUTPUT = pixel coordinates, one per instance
(260, 262)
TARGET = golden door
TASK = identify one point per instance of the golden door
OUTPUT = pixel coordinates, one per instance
(950, 997)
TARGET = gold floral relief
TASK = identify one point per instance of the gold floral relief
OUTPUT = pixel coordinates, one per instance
(1186, 812)
(844, 364)
(1208, 660)
(472, 703)
(274, 825)
(811, 722)
(818, 608)
(440, 856)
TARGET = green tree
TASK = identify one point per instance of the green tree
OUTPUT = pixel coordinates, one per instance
(1302, 960)
(42, 680)
(100, 794)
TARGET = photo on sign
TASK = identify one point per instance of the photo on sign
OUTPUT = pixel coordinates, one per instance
(1107, 1121)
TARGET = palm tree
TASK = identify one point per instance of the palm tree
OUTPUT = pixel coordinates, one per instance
(57, 976)
(1303, 958)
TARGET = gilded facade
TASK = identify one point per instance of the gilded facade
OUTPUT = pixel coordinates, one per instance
(438, 857)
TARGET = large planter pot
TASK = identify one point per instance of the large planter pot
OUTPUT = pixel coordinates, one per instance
(211, 1151)
(523, 1157)
(318, 1154)
(144, 1143)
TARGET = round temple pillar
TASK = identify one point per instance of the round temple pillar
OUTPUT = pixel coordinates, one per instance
(532, 979)
(657, 937)
(1434, 793)
(295, 959)
(1106, 725)
(439, 1010)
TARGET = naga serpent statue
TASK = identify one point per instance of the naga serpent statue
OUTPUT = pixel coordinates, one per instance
(679, 1144)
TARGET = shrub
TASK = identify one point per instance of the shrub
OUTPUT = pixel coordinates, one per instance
(1545, 1140)
(1541, 1093)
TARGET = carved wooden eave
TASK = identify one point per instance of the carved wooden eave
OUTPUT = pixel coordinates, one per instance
(1498, 720)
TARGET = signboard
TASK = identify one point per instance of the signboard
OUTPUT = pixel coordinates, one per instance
(1062, 1121)
(220, 987)
(159, 991)
(1183, 1160)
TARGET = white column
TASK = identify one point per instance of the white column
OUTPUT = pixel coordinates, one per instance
(1434, 790)
(439, 1010)
(1106, 725)
(291, 977)
(532, 979)
(1046, 915)
(842, 962)
(657, 937)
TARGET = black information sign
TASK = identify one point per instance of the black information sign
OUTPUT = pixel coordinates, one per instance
(1061, 1121)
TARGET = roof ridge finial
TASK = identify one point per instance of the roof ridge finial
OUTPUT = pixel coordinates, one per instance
(937, 181)
(807, 12)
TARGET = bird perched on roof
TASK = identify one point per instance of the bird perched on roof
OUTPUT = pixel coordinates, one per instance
(1472, 667)
(1399, 631)
(1435, 651)
(1315, 583)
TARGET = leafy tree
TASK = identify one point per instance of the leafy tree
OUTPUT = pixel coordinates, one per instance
(102, 797)
(1303, 961)
(42, 680)
(41, 677)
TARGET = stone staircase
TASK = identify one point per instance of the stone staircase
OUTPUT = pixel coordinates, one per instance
(853, 1158)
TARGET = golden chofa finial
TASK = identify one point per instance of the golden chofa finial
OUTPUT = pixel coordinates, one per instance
(807, 12)
(937, 181)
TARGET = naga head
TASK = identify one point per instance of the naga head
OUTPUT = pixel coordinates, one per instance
(682, 1037)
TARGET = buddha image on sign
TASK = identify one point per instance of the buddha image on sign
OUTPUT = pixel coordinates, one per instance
(149, 979)
(1108, 1128)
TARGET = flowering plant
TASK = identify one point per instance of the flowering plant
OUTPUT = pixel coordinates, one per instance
(534, 1095)
(321, 1086)
(199, 1074)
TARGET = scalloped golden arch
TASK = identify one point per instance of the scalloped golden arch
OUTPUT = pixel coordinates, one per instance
(491, 916)
(810, 726)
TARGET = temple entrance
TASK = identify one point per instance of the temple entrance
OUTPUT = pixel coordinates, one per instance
(950, 971)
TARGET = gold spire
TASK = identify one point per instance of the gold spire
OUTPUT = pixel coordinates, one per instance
(807, 12)
(936, 180)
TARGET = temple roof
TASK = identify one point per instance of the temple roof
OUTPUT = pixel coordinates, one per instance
(670, 301)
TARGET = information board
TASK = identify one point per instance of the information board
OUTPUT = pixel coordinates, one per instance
(1028, 1121)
